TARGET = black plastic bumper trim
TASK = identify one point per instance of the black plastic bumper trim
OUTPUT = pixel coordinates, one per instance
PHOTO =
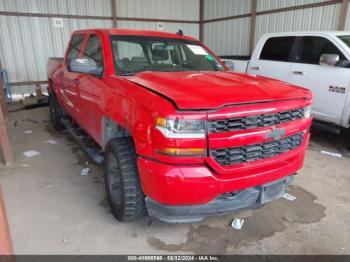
(249, 198)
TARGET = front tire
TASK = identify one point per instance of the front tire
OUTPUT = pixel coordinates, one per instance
(125, 196)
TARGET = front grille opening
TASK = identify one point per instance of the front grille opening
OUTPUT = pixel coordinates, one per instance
(250, 153)
(249, 122)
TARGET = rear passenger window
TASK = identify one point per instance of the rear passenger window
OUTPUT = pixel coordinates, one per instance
(93, 50)
(75, 46)
(312, 48)
(277, 49)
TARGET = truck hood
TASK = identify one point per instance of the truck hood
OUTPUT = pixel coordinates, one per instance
(210, 90)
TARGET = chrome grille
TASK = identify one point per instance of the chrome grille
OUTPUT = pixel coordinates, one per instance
(244, 154)
(242, 123)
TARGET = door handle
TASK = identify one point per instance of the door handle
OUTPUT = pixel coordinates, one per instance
(76, 81)
(299, 73)
(255, 68)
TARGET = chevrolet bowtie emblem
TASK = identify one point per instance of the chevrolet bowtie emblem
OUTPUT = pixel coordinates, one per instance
(276, 134)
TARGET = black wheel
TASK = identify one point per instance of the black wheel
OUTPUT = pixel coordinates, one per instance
(55, 113)
(125, 196)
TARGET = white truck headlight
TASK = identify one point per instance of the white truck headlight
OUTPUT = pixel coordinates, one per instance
(307, 112)
(179, 128)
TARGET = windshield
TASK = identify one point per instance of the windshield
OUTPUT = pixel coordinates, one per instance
(345, 39)
(133, 54)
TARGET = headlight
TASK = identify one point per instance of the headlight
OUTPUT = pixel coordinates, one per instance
(178, 128)
(307, 112)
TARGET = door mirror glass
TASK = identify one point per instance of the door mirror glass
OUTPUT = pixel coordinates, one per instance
(329, 59)
(85, 66)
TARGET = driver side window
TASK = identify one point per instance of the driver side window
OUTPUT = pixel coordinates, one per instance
(93, 50)
(75, 46)
(312, 48)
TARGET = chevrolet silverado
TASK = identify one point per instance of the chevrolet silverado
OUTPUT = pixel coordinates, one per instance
(179, 135)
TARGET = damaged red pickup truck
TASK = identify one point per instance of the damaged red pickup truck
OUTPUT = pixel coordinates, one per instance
(180, 137)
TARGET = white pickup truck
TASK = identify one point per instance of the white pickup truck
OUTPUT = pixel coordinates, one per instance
(318, 61)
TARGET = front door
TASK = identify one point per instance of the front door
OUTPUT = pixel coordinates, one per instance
(90, 90)
(70, 80)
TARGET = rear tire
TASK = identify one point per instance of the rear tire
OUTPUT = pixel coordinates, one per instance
(125, 196)
(56, 113)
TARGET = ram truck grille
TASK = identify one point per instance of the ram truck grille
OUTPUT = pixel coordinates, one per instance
(249, 153)
(249, 122)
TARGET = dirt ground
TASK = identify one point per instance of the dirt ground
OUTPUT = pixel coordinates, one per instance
(52, 209)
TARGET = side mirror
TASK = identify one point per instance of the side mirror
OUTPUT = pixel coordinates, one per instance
(85, 66)
(329, 59)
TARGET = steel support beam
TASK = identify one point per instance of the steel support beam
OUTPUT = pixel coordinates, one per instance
(5, 141)
(114, 12)
(343, 15)
(6, 247)
(252, 27)
(2, 96)
(201, 20)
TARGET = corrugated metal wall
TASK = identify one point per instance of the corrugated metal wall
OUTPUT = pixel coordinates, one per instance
(160, 9)
(27, 42)
(347, 25)
(223, 8)
(188, 29)
(319, 18)
(265, 5)
(70, 7)
(230, 36)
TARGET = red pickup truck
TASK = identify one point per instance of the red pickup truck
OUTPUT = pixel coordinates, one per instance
(180, 137)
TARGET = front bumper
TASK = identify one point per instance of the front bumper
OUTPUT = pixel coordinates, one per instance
(250, 198)
(198, 184)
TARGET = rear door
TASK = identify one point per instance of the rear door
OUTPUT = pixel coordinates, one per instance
(329, 84)
(275, 58)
